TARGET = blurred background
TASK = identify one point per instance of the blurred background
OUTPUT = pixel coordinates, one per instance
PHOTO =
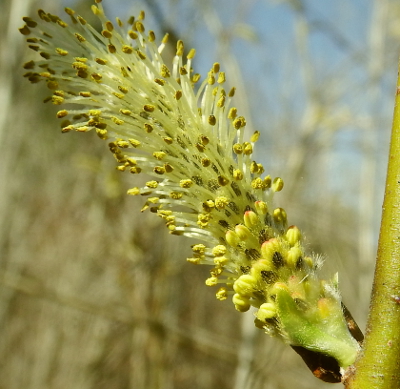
(94, 294)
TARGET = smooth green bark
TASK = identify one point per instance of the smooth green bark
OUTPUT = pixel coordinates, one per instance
(378, 366)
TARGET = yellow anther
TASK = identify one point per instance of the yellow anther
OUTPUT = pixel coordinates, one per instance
(127, 49)
(211, 79)
(119, 95)
(80, 37)
(205, 140)
(221, 202)
(135, 170)
(125, 112)
(102, 134)
(261, 207)
(280, 215)
(191, 54)
(152, 184)
(176, 195)
(195, 261)
(132, 34)
(309, 262)
(242, 304)
(68, 128)
(200, 147)
(133, 192)
(293, 235)
(179, 48)
(247, 148)
(212, 281)
(251, 219)
(212, 120)
(160, 81)
(208, 205)
(95, 10)
(62, 113)
(254, 138)
(237, 148)
(219, 250)
(199, 249)
(264, 269)
(96, 76)
(85, 94)
(186, 183)
(139, 27)
(294, 257)
(257, 183)
(277, 184)
(117, 121)
(82, 20)
(165, 39)
(266, 311)
(122, 143)
(269, 247)
(232, 92)
(81, 59)
(159, 170)
(237, 175)
(149, 108)
(44, 55)
(267, 182)
(223, 181)
(106, 34)
(239, 122)
(178, 94)
(159, 155)
(221, 78)
(152, 36)
(242, 232)
(221, 261)
(148, 128)
(245, 285)
(222, 294)
(101, 61)
(221, 102)
(196, 77)
(61, 52)
(232, 238)
(109, 26)
(94, 112)
(57, 100)
(168, 168)
(29, 65)
(216, 67)
(140, 54)
(232, 113)
(254, 167)
(69, 11)
(203, 219)
(205, 162)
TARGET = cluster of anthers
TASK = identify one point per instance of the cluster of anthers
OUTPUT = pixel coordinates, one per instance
(205, 184)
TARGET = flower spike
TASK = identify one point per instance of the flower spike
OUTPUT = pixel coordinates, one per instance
(203, 181)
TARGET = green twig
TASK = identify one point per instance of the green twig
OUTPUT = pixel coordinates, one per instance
(379, 364)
